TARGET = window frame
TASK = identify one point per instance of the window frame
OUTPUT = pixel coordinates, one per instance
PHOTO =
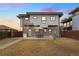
(50, 31)
(36, 30)
(45, 30)
(51, 18)
(34, 17)
(29, 30)
(26, 19)
(43, 20)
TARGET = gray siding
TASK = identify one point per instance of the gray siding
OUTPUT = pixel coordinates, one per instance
(75, 22)
(37, 21)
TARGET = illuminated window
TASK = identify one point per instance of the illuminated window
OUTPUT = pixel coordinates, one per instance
(26, 18)
(36, 30)
(29, 30)
(53, 18)
(45, 30)
(43, 19)
(64, 24)
(34, 17)
(50, 30)
(67, 24)
(71, 23)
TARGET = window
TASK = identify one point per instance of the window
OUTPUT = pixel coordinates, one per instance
(64, 24)
(26, 18)
(43, 19)
(68, 24)
(53, 18)
(50, 30)
(45, 30)
(34, 17)
(36, 30)
(29, 30)
(71, 23)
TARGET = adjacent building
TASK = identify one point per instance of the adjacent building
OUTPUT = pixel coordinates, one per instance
(72, 23)
(40, 24)
(6, 31)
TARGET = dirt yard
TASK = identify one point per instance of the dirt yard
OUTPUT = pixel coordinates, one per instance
(7, 40)
(61, 46)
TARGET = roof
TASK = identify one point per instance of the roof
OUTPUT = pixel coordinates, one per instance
(40, 13)
(45, 13)
(66, 20)
(22, 15)
(5, 27)
(74, 11)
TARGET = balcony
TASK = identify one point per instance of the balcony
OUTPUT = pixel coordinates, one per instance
(67, 28)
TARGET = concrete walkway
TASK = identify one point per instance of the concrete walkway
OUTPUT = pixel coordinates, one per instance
(36, 38)
(9, 44)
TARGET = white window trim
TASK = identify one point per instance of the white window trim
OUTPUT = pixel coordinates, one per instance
(34, 17)
(51, 18)
(26, 18)
(36, 30)
(29, 30)
(44, 20)
(50, 30)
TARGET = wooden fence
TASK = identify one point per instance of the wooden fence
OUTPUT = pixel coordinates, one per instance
(10, 34)
(70, 34)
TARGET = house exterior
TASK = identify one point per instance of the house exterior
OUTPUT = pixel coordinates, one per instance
(75, 19)
(40, 24)
(72, 23)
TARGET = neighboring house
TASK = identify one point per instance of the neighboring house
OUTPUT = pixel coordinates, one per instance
(40, 24)
(72, 23)
(6, 31)
(67, 24)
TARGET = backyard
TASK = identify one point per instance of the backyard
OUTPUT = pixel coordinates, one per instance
(60, 46)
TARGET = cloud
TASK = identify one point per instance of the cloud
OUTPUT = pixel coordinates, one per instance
(6, 6)
(49, 10)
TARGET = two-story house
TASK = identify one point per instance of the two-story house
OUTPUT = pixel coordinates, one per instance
(75, 18)
(40, 24)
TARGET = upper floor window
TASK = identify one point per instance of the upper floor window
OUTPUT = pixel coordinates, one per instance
(71, 23)
(43, 19)
(34, 17)
(26, 18)
(68, 24)
(64, 24)
(53, 18)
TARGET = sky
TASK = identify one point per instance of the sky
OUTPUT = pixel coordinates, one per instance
(9, 11)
